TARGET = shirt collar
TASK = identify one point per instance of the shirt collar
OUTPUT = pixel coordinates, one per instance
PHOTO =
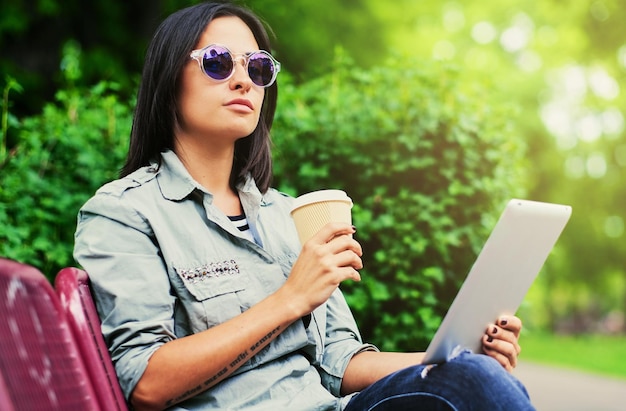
(176, 183)
(174, 180)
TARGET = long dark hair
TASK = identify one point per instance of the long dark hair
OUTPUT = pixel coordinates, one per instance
(155, 113)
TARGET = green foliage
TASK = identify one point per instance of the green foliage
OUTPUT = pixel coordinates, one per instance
(59, 159)
(427, 159)
(113, 37)
(428, 162)
(564, 67)
(319, 27)
(539, 55)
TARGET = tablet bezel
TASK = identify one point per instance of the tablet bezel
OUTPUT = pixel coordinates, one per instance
(497, 283)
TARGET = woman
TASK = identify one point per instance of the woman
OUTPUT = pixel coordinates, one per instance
(206, 297)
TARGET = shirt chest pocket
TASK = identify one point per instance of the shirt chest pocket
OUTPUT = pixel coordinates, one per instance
(216, 292)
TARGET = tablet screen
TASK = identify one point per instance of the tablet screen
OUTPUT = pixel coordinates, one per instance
(505, 269)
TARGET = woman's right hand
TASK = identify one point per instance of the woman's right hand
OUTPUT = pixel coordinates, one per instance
(330, 257)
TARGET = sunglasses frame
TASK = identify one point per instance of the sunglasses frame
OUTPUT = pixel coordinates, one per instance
(198, 55)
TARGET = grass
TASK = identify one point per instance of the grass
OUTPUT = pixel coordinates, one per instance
(598, 354)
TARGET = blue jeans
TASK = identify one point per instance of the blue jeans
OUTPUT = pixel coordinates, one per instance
(467, 382)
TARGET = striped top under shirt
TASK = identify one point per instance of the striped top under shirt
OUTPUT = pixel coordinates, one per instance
(241, 222)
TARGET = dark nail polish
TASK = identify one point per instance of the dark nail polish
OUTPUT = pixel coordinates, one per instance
(489, 339)
(354, 229)
(495, 330)
(503, 322)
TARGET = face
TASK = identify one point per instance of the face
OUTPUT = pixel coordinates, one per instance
(219, 112)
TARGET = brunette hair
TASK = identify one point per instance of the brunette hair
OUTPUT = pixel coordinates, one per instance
(155, 112)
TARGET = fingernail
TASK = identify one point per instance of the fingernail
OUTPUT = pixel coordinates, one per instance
(489, 339)
(354, 229)
(495, 330)
(503, 321)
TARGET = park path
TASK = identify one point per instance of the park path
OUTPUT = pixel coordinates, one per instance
(558, 389)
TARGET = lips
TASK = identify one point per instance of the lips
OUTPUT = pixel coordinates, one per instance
(241, 102)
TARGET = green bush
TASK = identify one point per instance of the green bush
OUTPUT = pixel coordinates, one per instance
(428, 163)
(57, 162)
(426, 158)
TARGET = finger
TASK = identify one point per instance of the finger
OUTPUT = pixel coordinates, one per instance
(511, 323)
(340, 268)
(505, 335)
(348, 259)
(330, 257)
(350, 273)
(499, 348)
(342, 243)
(505, 346)
(502, 359)
(332, 230)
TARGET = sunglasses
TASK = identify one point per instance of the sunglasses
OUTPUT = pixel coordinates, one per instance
(218, 63)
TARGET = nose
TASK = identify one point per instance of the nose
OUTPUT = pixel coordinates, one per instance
(240, 76)
(240, 59)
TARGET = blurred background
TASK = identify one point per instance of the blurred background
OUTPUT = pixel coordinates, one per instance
(552, 73)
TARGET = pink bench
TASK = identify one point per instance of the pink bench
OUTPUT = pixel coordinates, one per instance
(52, 353)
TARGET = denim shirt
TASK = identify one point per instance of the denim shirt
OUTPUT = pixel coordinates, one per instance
(165, 263)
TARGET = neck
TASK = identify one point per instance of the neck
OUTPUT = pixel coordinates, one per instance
(212, 170)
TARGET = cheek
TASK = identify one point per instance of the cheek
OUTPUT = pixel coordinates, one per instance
(194, 102)
(192, 90)
(182, 98)
(259, 101)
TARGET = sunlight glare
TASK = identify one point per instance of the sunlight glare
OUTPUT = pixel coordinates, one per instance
(596, 165)
(614, 226)
(613, 122)
(444, 50)
(517, 37)
(556, 118)
(513, 39)
(602, 84)
(453, 17)
(575, 167)
(484, 32)
(589, 128)
(575, 82)
(529, 61)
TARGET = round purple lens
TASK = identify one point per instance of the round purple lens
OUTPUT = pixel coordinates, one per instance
(261, 69)
(217, 63)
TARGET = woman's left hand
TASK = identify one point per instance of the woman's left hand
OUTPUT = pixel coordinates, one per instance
(501, 341)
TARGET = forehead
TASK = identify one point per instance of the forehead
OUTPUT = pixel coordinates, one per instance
(231, 32)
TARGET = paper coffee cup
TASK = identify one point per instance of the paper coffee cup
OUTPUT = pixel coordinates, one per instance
(314, 210)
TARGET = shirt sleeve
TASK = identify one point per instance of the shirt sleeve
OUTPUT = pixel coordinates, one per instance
(343, 341)
(116, 247)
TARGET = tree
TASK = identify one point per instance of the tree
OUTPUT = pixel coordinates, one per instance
(564, 64)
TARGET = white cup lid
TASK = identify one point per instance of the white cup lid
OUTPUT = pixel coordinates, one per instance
(319, 196)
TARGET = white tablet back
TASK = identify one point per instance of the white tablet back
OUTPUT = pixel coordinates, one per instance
(502, 274)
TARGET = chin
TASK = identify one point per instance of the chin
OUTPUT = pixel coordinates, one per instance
(242, 132)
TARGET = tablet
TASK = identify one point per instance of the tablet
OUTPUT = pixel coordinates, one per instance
(506, 267)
